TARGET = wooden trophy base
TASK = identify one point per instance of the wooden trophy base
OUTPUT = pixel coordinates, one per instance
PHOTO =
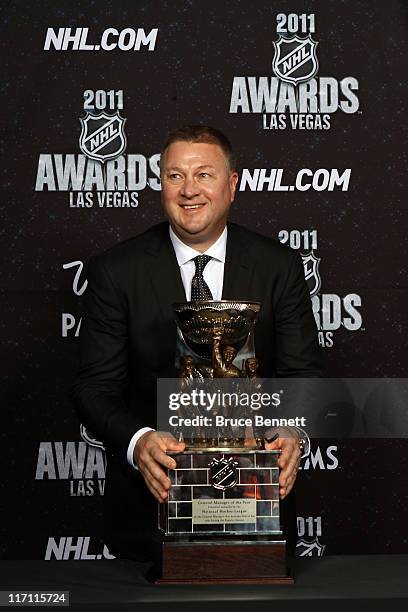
(224, 562)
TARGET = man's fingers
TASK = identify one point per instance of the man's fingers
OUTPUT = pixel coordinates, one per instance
(290, 479)
(150, 455)
(156, 479)
(169, 442)
(284, 491)
(156, 447)
(289, 459)
(288, 472)
(275, 445)
(289, 446)
(287, 479)
(289, 450)
(288, 462)
(159, 493)
(151, 462)
(175, 445)
(158, 474)
(149, 465)
(161, 457)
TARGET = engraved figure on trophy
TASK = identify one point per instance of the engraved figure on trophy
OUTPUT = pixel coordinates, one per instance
(250, 368)
(222, 359)
(189, 373)
(253, 385)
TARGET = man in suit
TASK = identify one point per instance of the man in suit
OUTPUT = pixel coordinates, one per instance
(128, 335)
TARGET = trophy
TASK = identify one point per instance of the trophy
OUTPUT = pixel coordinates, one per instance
(221, 522)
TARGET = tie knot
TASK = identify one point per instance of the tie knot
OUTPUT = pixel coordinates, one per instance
(200, 262)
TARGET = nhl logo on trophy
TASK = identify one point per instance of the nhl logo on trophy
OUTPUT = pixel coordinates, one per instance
(223, 473)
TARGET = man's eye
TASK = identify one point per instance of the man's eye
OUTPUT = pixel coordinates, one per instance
(204, 175)
(174, 176)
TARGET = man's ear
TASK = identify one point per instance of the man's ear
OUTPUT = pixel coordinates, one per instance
(233, 179)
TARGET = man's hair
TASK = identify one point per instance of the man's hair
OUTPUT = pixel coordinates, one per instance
(205, 134)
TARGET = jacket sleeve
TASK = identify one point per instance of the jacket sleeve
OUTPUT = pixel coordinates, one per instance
(100, 386)
(297, 347)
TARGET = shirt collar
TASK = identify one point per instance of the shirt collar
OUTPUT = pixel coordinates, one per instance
(185, 253)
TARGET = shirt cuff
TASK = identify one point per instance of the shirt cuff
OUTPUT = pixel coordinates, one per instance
(133, 442)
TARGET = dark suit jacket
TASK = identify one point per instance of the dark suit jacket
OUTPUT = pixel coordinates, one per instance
(128, 340)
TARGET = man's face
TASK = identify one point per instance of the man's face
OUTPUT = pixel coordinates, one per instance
(197, 191)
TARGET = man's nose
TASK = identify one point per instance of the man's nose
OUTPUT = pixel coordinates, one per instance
(190, 188)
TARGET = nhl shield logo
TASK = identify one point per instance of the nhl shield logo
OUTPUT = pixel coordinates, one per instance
(311, 548)
(311, 269)
(295, 59)
(223, 473)
(102, 136)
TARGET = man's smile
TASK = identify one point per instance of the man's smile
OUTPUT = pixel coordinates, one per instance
(192, 206)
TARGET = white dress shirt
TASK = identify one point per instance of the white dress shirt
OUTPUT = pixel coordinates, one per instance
(214, 270)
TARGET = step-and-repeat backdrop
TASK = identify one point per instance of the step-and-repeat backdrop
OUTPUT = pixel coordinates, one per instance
(313, 97)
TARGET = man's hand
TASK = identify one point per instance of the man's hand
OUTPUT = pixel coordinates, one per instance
(150, 454)
(289, 460)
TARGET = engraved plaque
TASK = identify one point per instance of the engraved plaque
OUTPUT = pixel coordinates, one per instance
(221, 511)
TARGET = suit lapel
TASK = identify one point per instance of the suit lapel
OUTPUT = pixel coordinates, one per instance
(239, 267)
(165, 273)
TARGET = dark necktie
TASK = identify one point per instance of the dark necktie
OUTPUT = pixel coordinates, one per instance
(199, 288)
